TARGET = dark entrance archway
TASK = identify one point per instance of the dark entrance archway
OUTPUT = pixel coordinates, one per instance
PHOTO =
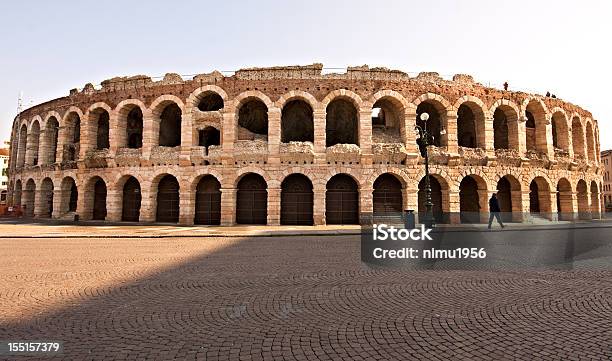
(583, 200)
(469, 205)
(342, 200)
(534, 199)
(99, 203)
(297, 200)
(252, 200)
(208, 201)
(168, 200)
(387, 197)
(74, 197)
(504, 197)
(565, 208)
(131, 201)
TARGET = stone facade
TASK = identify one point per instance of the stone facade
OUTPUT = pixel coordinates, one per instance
(606, 165)
(221, 148)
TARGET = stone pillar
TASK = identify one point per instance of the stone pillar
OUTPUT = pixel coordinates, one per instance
(274, 206)
(150, 137)
(554, 212)
(38, 202)
(186, 140)
(525, 205)
(319, 205)
(489, 136)
(454, 207)
(58, 202)
(85, 203)
(116, 135)
(410, 199)
(148, 204)
(114, 204)
(228, 135)
(409, 131)
(366, 205)
(365, 135)
(546, 144)
(228, 206)
(517, 205)
(483, 202)
(274, 135)
(186, 205)
(449, 140)
(319, 136)
(522, 141)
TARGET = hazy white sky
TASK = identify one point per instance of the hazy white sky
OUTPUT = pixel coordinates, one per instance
(49, 47)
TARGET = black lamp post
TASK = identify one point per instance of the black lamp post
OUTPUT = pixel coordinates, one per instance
(425, 139)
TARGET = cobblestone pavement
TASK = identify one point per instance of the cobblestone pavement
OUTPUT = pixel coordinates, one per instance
(289, 298)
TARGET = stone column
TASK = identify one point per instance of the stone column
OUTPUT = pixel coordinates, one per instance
(554, 212)
(228, 135)
(274, 135)
(58, 202)
(365, 135)
(38, 202)
(116, 135)
(228, 206)
(150, 137)
(449, 140)
(454, 207)
(186, 140)
(148, 204)
(489, 136)
(409, 131)
(522, 143)
(274, 206)
(546, 144)
(187, 205)
(114, 203)
(319, 205)
(319, 136)
(366, 205)
(483, 201)
(517, 205)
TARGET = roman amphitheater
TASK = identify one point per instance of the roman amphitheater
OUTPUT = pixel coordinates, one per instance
(299, 146)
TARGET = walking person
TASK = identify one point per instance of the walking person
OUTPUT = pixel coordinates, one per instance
(494, 210)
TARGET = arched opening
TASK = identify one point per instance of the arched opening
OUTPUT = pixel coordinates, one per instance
(46, 198)
(387, 121)
(23, 141)
(594, 200)
(469, 200)
(170, 126)
(17, 193)
(209, 136)
(504, 198)
(33, 144)
(342, 200)
(583, 200)
(530, 129)
(297, 122)
(210, 101)
(51, 134)
(535, 127)
(470, 126)
(590, 142)
(70, 195)
(539, 198)
(99, 200)
(253, 120)
(134, 126)
(102, 129)
(437, 198)
(387, 197)
(168, 206)
(72, 138)
(297, 200)
(437, 114)
(500, 130)
(565, 206)
(132, 197)
(3, 196)
(560, 131)
(208, 201)
(29, 198)
(577, 138)
(252, 200)
(341, 123)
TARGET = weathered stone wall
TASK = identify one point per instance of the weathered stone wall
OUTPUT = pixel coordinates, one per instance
(378, 152)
